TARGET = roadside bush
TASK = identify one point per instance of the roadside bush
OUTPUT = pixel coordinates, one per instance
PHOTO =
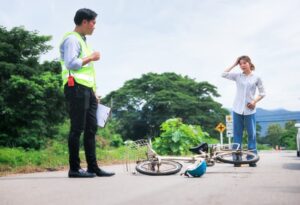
(176, 137)
(108, 135)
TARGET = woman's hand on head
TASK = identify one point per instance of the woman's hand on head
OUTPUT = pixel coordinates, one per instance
(236, 62)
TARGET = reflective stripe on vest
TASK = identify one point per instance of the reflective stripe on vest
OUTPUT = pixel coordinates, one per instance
(84, 75)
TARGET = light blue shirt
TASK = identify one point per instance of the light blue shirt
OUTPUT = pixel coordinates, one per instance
(245, 93)
(70, 51)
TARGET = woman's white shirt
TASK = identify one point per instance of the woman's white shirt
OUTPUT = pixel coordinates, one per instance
(246, 87)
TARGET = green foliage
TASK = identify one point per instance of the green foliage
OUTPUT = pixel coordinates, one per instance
(284, 137)
(55, 155)
(176, 137)
(62, 131)
(274, 134)
(263, 147)
(258, 132)
(110, 135)
(31, 102)
(116, 140)
(142, 104)
(114, 154)
(288, 138)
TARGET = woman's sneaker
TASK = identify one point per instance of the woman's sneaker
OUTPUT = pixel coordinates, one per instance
(237, 158)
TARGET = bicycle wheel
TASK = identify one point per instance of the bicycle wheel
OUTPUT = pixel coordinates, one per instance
(245, 157)
(155, 169)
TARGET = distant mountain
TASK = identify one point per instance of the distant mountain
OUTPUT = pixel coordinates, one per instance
(279, 116)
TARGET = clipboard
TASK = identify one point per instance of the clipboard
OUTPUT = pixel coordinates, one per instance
(103, 113)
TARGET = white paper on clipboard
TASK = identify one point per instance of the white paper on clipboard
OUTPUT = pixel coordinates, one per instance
(102, 114)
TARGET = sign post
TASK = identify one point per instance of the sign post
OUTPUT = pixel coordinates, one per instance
(229, 128)
(221, 127)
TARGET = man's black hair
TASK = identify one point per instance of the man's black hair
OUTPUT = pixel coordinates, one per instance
(84, 14)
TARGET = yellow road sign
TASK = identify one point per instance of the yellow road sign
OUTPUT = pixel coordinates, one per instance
(220, 127)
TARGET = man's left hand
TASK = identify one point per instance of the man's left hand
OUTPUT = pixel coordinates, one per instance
(98, 98)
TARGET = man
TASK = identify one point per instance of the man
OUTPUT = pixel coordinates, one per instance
(79, 86)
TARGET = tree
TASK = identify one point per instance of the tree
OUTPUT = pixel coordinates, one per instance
(274, 134)
(31, 100)
(284, 137)
(288, 138)
(142, 104)
(258, 130)
(108, 135)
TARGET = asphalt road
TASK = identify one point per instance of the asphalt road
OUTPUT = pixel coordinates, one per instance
(276, 180)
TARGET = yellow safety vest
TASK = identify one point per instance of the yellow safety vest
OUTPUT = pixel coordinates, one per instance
(84, 75)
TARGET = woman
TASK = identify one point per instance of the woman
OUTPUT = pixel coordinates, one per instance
(244, 106)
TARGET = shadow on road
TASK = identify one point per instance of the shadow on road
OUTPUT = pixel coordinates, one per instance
(295, 157)
(209, 172)
(30, 178)
(286, 189)
(291, 166)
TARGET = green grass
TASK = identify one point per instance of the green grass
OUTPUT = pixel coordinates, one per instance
(263, 147)
(55, 157)
(14, 159)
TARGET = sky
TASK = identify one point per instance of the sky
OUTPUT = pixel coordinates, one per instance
(197, 38)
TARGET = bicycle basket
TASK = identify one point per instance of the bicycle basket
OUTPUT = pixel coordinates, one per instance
(136, 151)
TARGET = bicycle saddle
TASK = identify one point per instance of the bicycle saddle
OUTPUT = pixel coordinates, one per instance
(201, 147)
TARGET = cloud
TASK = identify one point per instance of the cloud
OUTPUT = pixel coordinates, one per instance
(195, 38)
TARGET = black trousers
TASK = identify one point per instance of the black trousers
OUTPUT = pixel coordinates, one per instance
(82, 104)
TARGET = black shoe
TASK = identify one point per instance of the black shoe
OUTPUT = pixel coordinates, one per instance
(101, 173)
(252, 165)
(237, 165)
(80, 174)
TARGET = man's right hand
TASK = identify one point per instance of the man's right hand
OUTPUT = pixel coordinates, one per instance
(95, 56)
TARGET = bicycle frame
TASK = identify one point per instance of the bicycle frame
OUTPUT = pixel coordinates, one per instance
(150, 163)
(209, 157)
